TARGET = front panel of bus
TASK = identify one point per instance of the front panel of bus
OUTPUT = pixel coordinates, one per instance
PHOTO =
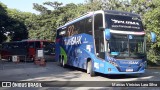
(124, 52)
(126, 47)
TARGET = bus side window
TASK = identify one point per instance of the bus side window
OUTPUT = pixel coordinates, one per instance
(37, 44)
(70, 30)
(31, 44)
(81, 26)
(88, 26)
(49, 49)
(45, 44)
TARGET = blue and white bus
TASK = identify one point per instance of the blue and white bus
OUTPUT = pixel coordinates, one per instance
(108, 42)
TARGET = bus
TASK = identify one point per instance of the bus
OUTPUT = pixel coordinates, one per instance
(26, 49)
(104, 41)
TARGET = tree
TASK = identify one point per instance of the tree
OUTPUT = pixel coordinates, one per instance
(12, 24)
(55, 4)
(3, 17)
(152, 23)
(111, 4)
(41, 8)
(16, 25)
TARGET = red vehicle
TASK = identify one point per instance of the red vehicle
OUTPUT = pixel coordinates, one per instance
(26, 49)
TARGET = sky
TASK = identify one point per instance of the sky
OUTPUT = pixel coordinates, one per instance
(27, 5)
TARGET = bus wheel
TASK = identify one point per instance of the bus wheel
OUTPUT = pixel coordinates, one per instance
(90, 69)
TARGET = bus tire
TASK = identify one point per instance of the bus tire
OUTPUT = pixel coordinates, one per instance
(90, 69)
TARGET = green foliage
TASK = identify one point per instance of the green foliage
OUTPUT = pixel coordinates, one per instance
(3, 17)
(55, 4)
(152, 23)
(44, 25)
(12, 25)
(113, 5)
(41, 8)
(3, 9)
(16, 25)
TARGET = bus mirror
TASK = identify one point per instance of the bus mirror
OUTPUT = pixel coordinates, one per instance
(107, 34)
(153, 37)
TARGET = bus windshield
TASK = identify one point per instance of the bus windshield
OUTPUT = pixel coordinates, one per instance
(126, 46)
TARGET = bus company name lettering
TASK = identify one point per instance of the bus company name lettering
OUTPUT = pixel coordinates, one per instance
(73, 40)
(125, 22)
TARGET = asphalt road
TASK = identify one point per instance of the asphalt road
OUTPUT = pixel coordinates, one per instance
(53, 72)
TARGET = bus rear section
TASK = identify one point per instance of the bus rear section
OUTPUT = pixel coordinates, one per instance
(26, 49)
(46, 46)
(10, 49)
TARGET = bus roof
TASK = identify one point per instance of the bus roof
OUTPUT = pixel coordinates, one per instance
(121, 13)
(105, 11)
(77, 19)
(26, 40)
(33, 40)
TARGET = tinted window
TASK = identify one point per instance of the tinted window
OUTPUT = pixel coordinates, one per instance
(98, 22)
(99, 39)
(124, 23)
(126, 46)
(72, 29)
(37, 44)
(31, 44)
(49, 49)
(88, 25)
(79, 27)
(84, 26)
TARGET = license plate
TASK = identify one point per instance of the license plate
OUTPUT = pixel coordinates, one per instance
(129, 70)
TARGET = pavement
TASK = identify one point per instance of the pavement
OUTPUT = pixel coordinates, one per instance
(25, 71)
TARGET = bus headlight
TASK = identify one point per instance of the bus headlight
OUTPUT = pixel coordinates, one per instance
(143, 64)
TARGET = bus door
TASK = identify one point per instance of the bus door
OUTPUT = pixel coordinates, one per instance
(99, 40)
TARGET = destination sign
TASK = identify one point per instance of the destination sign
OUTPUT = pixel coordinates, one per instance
(123, 23)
